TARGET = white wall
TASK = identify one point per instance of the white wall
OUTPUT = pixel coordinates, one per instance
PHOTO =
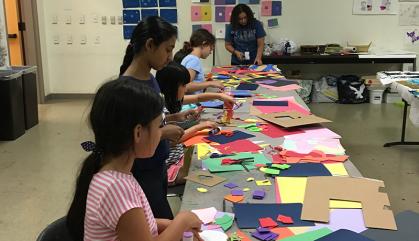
(80, 69)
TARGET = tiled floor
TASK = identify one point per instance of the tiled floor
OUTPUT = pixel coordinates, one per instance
(37, 171)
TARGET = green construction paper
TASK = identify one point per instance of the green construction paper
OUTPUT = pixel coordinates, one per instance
(309, 236)
(281, 166)
(214, 164)
(254, 129)
(225, 222)
(269, 171)
(248, 125)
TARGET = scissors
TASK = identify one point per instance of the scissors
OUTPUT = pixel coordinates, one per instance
(242, 162)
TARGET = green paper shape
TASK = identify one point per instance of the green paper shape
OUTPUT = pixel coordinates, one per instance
(214, 164)
(309, 236)
(281, 166)
(225, 222)
(248, 125)
(270, 171)
(254, 129)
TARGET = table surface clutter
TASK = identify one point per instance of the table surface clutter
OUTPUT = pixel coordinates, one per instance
(257, 180)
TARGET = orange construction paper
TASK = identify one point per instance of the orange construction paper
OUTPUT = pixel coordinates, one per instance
(234, 199)
(243, 236)
(282, 232)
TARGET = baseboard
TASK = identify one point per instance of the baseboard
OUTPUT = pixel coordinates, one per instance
(68, 96)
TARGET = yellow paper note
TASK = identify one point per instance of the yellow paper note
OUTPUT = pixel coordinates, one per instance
(292, 190)
(202, 190)
(263, 182)
(246, 189)
(250, 179)
(336, 169)
(203, 149)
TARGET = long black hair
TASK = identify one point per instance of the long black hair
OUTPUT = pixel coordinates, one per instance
(198, 38)
(152, 27)
(118, 107)
(170, 78)
(241, 8)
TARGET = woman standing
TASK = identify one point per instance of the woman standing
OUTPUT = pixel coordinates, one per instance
(245, 37)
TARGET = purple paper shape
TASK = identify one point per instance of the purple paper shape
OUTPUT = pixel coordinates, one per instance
(262, 230)
(266, 82)
(350, 219)
(237, 192)
(258, 194)
(276, 8)
(265, 236)
(220, 14)
(230, 185)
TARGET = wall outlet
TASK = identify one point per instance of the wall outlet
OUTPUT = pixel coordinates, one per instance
(82, 19)
(54, 19)
(69, 39)
(68, 19)
(97, 39)
(83, 39)
(104, 20)
(113, 20)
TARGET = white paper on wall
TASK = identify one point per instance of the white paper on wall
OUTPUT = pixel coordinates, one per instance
(374, 7)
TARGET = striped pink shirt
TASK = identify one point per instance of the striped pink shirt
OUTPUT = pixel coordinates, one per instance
(111, 194)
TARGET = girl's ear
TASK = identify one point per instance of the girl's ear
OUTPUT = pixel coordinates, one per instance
(137, 133)
(149, 44)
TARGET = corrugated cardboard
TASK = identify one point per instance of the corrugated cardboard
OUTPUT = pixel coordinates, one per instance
(292, 118)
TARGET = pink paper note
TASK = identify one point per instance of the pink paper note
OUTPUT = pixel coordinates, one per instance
(196, 13)
(266, 8)
(282, 88)
(228, 11)
(206, 215)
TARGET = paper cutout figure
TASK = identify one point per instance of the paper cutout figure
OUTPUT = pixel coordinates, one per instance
(234, 199)
(230, 185)
(320, 190)
(202, 190)
(237, 192)
(170, 15)
(285, 219)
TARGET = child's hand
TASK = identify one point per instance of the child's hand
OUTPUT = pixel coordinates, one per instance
(216, 84)
(172, 132)
(239, 55)
(227, 99)
(191, 221)
(193, 114)
(207, 125)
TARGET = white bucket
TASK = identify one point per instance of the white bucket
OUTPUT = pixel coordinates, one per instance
(376, 96)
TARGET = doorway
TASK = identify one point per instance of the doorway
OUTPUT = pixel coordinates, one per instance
(14, 33)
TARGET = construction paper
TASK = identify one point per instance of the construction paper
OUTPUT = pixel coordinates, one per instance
(131, 16)
(276, 8)
(228, 12)
(238, 146)
(305, 170)
(203, 150)
(206, 215)
(216, 104)
(275, 131)
(247, 215)
(267, 222)
(196, 140)
(405, 221)
(309, 236)
(308, 145)
(314, 157)
(344, 235)
(266, 82)
(282, 88)
(292, 119)
(214, 164)
(265, 182)
(237, 192)
(259, 194)
(319, 190)
(292, 190)
(204, 26)
(170, 15)
(285, 219)
(222, 139)
(350, 219)
(268, 236)
(149, 13)
(318, 133)
(283, 82)
(281, 166)
(212, 235)
(225, 221)
(282, 232)
(336, 169)
(249, 1)
(245, 86)
(196, 13)
(269, 171)
(206, 12)
(266, 8)
(202, 190)
(243, 236)
(205, 178)
(167, 3)
(128, 30)
(234, 199)
(220, 14)
(270, 103)
(263, 230)
(130, 3)
(214, 227)
(230, 185)
(292, 106)
(148, 3)
(241, 93)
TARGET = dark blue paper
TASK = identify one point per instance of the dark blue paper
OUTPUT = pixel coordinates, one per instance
(167, 3)
(304, 170)
(280, 83)
(269, 103)
(276, 8)
(128, 29)
(217, 104)
(131, 3)
(248, 214)
(245, 86)
(149, 12)
(131, 16)
(222, 139)
(344, 235)
(241, 93)
(148, 3)
(170, 15)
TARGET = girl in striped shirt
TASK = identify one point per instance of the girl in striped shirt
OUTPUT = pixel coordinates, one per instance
(108, 203)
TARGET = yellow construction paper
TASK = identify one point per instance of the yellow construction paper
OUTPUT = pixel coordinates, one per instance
(265, 182)
(202, 190)
(203, 149)
(336, 169)
(292, 190)
(250, 179)
(246, 189)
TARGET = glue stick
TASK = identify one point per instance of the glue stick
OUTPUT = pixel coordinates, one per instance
(187, 236)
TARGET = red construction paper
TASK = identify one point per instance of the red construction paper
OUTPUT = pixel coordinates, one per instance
(285, 219)
(267, 222)
(195, 140)
(238, 146)
(275, 131)
(282, 232)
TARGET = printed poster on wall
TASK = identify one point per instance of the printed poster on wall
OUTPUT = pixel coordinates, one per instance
(375, 7)
(409, 14)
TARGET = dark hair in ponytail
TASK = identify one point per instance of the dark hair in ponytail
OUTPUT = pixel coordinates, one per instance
(199, 38)
(118, 107)
(170, 78)
(152, 27)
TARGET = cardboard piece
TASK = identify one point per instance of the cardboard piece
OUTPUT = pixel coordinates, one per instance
(205, 178)
(246, 86)
(292, 119)
(222, 139)
(344, 235)
(292, 190)
(237, 147)
(248, 214)
(310, 236)
(405, 222)
(320, 190)
(234, 199)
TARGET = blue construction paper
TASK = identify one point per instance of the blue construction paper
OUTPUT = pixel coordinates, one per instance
(344, 235)
(148, 3)
(276, 8)
(149, 12)
(241, 93)
(170, 15)
(220, 76)
(248, 214)
(270, 103)
(245, 86)
(304, 170)
(167, 3)
(222, 139)
(131, 16)
(131, 3)
(128, 29)
(216, 104)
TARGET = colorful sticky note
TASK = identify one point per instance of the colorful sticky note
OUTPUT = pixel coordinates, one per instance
(230, 185)
(167, 3)
(263, 182)
(285, 219)
(148, 3)
(149, 13)
(202, 190)
(267, 222)
(131, 16)
(170, 15)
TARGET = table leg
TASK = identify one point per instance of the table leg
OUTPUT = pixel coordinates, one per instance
(402, 141)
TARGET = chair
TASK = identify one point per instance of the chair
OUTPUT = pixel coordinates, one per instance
(56, 231)
(177, 190)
